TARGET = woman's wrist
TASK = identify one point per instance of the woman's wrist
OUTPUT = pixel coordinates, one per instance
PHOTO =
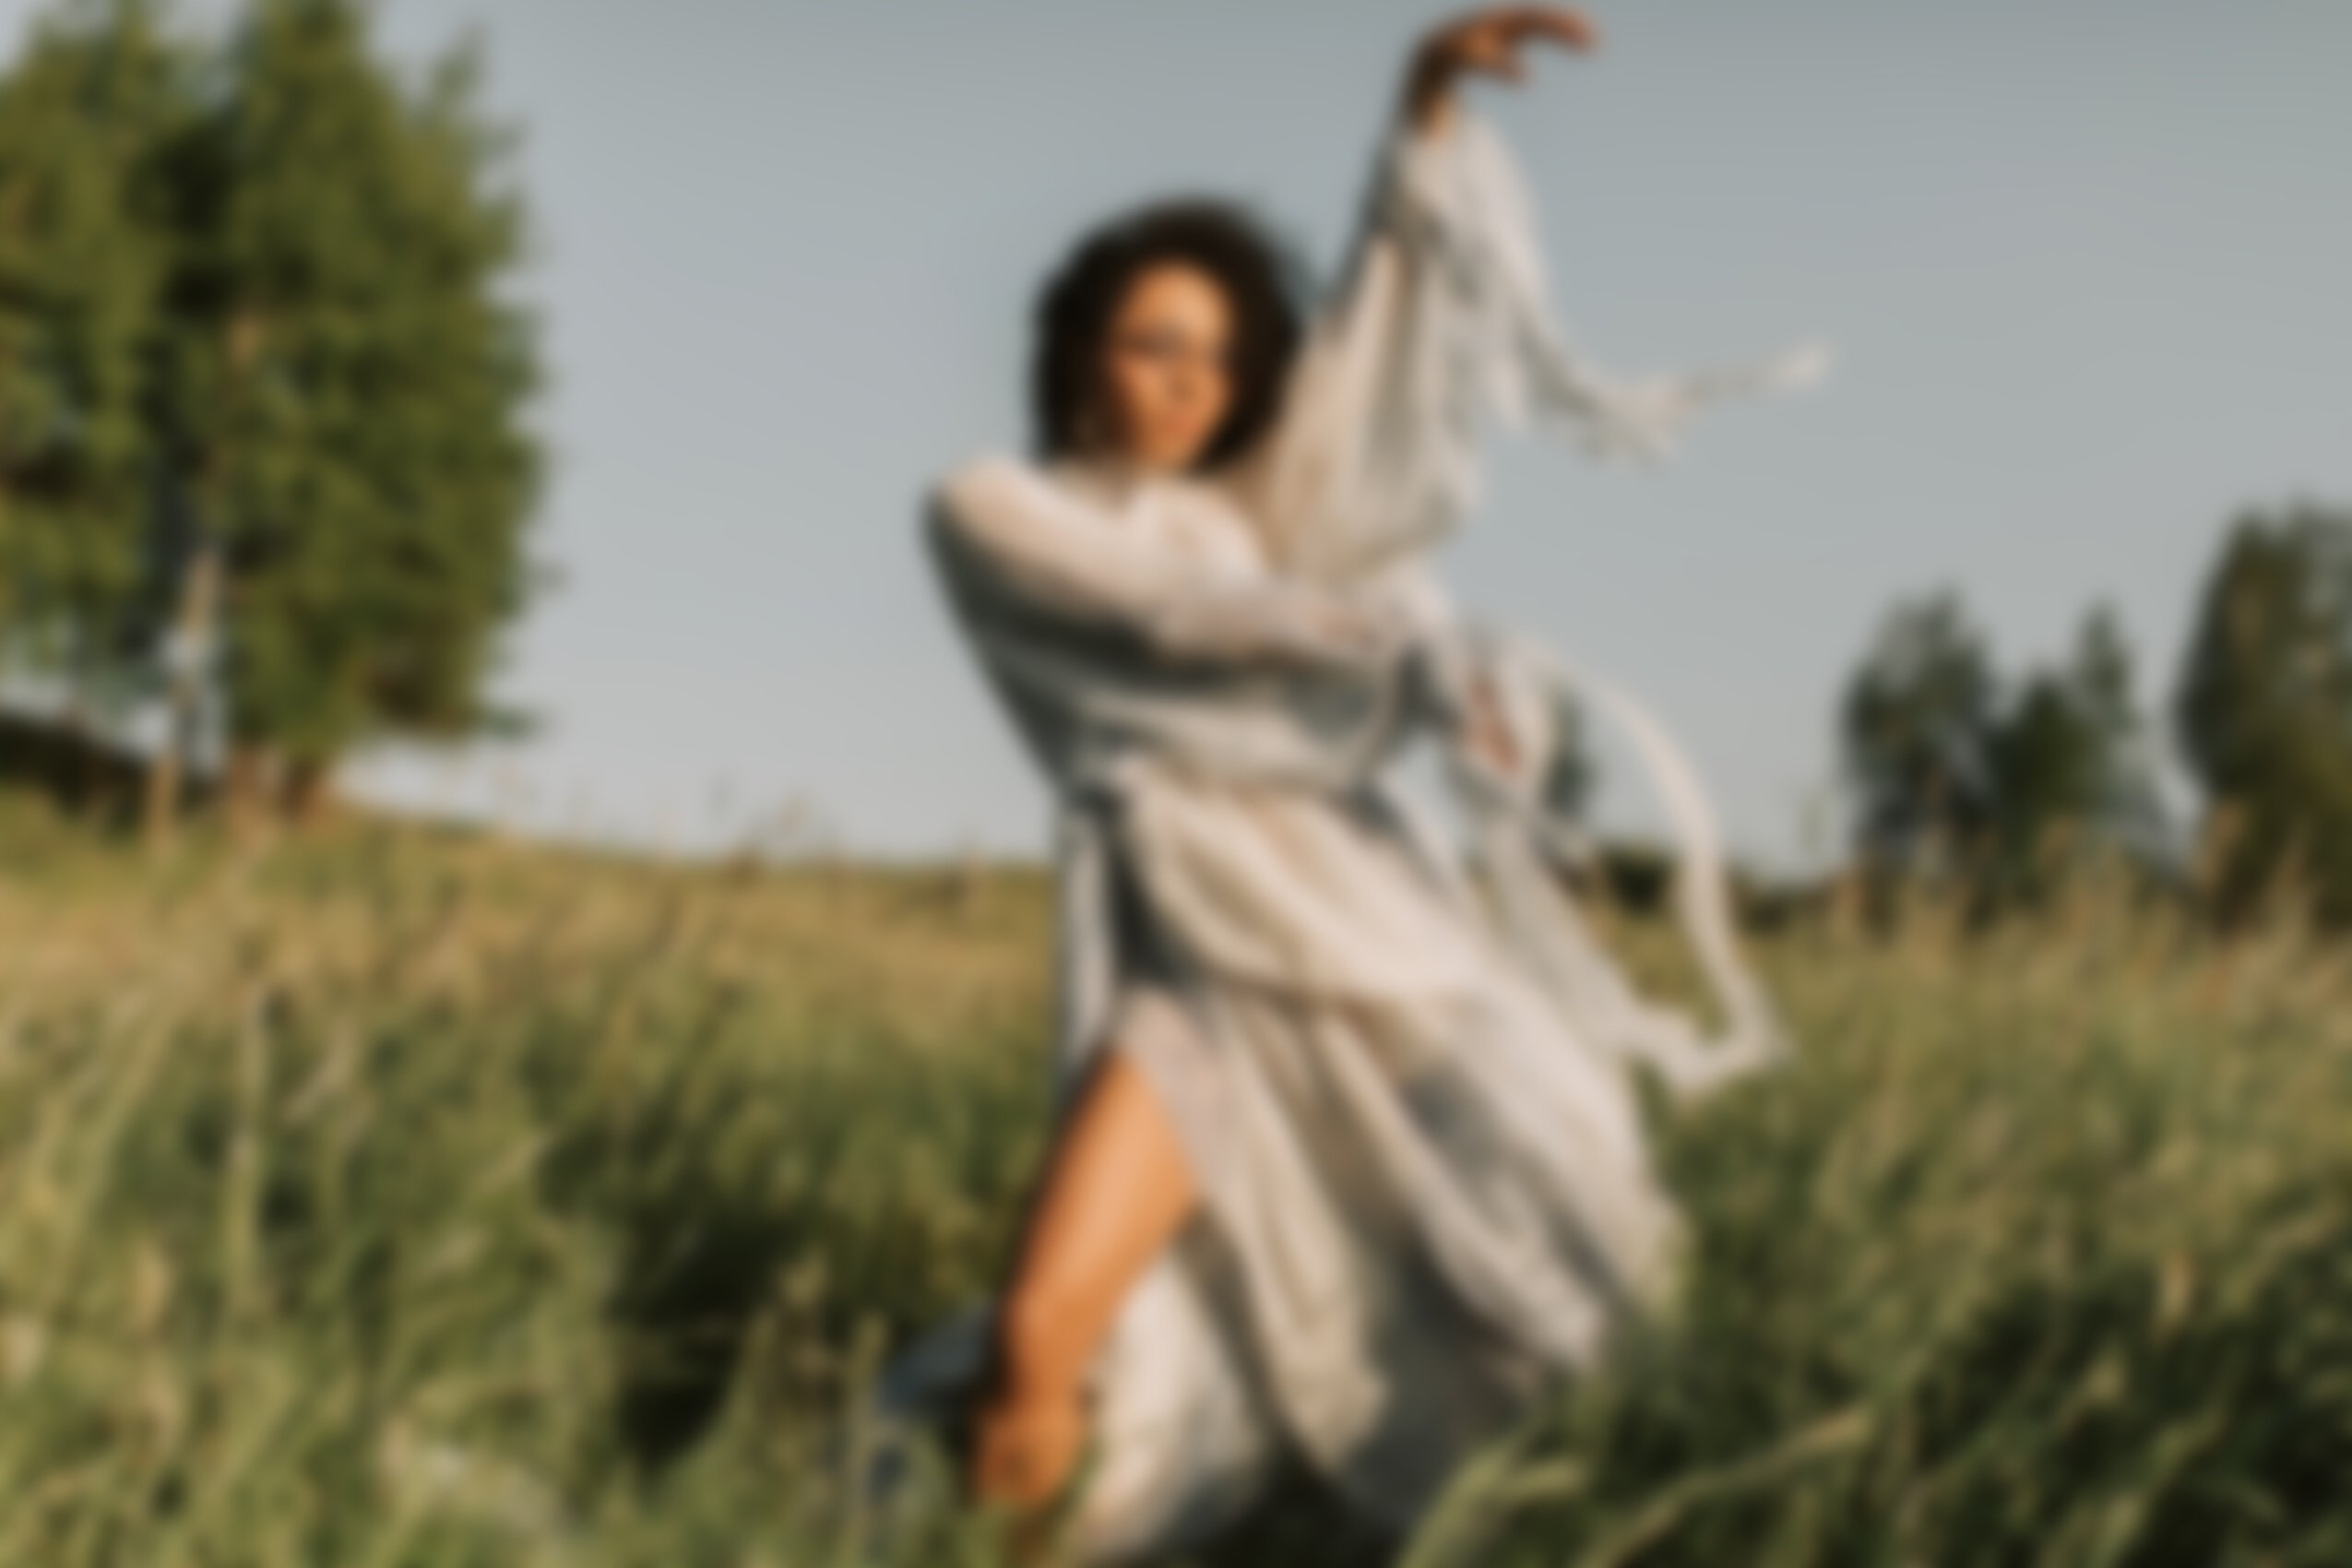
(1488, 40)
(1426, 102)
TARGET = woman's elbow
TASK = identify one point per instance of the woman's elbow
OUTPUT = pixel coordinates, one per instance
(976, 493)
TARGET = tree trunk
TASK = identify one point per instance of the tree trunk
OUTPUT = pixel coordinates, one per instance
(248, 787)
(191, 640)
(308, 792)
(195, 628)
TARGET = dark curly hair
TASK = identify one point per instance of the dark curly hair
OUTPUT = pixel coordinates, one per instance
(1263, 281)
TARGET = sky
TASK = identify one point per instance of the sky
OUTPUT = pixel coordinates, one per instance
(2084, 270)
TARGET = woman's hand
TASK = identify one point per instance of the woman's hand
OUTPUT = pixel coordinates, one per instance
(1488, 41)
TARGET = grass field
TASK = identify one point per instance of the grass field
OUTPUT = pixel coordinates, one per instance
(391, 1198)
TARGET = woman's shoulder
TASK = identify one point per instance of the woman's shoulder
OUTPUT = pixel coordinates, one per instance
(996, 485)
(996, 494)
(979, 480)
(994, 499)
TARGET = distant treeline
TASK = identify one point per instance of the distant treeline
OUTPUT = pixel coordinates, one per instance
(1990, 791)
(1998, 788)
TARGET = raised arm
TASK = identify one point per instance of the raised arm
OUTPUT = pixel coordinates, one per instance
(1063, 557)
(1440, 327)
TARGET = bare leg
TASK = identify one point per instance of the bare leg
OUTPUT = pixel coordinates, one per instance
(1116, 1188)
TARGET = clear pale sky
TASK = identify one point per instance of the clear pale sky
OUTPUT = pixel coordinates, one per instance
(2087, 270)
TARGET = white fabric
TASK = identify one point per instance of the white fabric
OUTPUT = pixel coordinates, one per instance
(1442, 326)
(1400, 1074)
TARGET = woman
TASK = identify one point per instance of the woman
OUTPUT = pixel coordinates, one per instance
(1348, 1165)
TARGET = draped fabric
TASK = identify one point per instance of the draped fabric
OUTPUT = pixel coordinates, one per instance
(1400, 1065)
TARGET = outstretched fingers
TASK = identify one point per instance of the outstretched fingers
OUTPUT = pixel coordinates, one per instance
(1488, 41)
(1563, 25)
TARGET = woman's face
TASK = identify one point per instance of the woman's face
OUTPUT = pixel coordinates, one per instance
(1167, 376)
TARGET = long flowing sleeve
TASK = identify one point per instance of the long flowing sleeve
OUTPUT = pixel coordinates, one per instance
(1065, 560)
(1440, 327)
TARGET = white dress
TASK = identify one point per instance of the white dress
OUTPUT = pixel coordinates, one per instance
(1399, 1067)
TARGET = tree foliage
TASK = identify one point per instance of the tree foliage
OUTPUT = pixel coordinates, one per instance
(255, 327)
(84, 244)
(2073, 764)
(345, 383)
(2265, 705)
(1961, 775)
(1917, 730)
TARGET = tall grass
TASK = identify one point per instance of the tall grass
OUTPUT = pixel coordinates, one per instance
(393, 1199)
(2043, 1255)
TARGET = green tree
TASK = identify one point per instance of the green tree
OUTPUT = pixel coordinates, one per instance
(1958, 774)
(2071, 765)
(2265, 705)
(83, 252)
(347, 381)
(1917, 727)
